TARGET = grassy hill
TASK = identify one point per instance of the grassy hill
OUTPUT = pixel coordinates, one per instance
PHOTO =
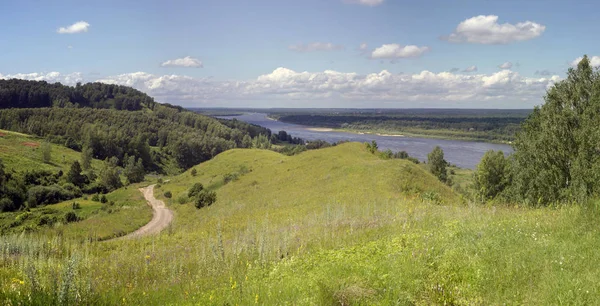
(336, 226)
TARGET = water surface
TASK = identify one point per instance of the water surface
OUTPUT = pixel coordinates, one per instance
(465, 154)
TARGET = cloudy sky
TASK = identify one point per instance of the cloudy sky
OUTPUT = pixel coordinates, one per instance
(304, 53)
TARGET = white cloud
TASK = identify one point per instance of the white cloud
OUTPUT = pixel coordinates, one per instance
(470, 69)
(543, 72)
(315, 46)
(283, 86)
(70, 47)
(365, 2)
(398, 51)
(594, 61)
(50, 77)
(486, 30)
(188, 62)
(506, 65)
(363, 47)
(77, 27)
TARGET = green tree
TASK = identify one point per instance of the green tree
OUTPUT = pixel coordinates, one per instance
(195, 190)
(109, 176)
(205, 198)
(437, 164)
(492, 175)
(556, 153)
(86, 158)
(74, 175)
(46, 150)
(372, 147)
(134, 170)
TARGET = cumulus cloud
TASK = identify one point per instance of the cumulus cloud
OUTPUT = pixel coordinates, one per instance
(315, 46)
(486, 30)
(187, 62)
(470, 69)
(506, 65)
(594, 61)
(365, 2)
(398, 51)
(346, 88)
(50, 77)
(77, 27)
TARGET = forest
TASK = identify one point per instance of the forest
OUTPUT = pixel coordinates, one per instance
(493, 125)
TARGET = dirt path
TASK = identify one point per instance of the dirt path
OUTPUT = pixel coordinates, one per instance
(162, 216)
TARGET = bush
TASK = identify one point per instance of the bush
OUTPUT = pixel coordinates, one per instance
(46, 220)
(492, 175)
(76, 205)
(95, 188)
(41, 195)
(96, 198)
(195, 190)
(194, 172)
(168, 194)
(72, 188)
(70, 217)
(103, 199)
(230, 177)
(205, 198)
(182, 199)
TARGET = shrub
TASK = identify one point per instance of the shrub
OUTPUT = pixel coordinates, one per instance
(95, 188)
(230, 177)
(103, 199)
(96, 198)
(46, 220)
(72, 188)
(194, 172)
(71, 217)
(182, 199)
(168, 194)
(492, 175)
(437, 164)
(205, 198)
(41, 195)
(195, 190)
(76, 205)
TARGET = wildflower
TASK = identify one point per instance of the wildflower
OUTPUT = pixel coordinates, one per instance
(256, 299)
(234, 285)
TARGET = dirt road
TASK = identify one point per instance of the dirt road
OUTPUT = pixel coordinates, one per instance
(162, 216)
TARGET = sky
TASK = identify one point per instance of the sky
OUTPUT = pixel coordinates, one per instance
(305, 53)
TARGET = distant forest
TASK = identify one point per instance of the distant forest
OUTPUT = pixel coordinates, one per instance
(478, 125)
(15, 93)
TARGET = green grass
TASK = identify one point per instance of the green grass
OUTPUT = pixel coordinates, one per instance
(22, 152)
(336, 226)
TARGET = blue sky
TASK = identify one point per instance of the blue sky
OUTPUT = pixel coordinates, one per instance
(256, 53)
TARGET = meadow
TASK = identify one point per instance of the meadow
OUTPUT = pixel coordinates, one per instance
(335, 226)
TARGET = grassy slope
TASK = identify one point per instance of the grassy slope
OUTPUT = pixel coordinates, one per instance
(330, 226)
(21, 152)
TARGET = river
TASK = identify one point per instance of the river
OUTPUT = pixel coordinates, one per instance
(465, 154)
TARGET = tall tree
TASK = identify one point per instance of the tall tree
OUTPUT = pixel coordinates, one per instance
(557, 153)
(74, 175)
(46, 150)
(86, 158)
(109, 176)
(134, 169)
(437, 164)
(492, 175)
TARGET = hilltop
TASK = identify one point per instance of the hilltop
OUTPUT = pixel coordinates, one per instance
(330, 226)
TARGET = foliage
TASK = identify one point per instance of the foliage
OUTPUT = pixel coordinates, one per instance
(194, 172)
(46, 150)
(168, 194)
(134, 170)
(42, 195)
(74, 175)
(109, 176)
(70, 217)
(103, 199)
(492, 175)
(205, 198)
(317, 144)
(86, 158)
(437, 164)
(195, 190)
(556, 153)
(261, 142)
(17, 93)
(372, 147)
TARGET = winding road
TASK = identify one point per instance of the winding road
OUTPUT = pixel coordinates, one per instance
(161, 218)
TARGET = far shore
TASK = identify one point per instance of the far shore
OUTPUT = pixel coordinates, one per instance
(320, 129)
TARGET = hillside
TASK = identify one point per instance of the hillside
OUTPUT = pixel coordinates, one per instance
(330, 226)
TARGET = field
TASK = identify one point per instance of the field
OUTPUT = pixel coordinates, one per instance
(336, 226)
